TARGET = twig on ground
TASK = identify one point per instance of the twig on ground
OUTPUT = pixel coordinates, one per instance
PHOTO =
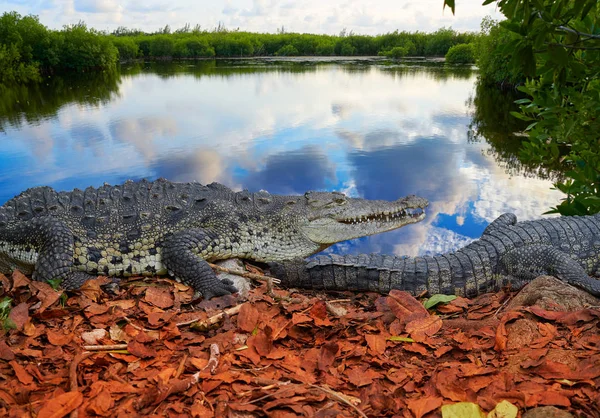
(340, 397)
(73, 376)
(247, 275)
(337, 396)
(339, 300)
(213, 319)
(181, 366)
(130, 322)
(508, 299)
(108, 347)
(213, 361)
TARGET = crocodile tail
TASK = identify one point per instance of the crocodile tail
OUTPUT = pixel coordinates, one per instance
(366, 273)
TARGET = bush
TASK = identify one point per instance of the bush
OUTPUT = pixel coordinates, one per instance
(84, 48)
(325, 48)
(286, 51)
(199, 48)
(461, 54)
(439, 42)
(396, 52)
(492, 57)
(346, 49)
(162, 46)
(127, 47)
(13, 70)
(226, 46)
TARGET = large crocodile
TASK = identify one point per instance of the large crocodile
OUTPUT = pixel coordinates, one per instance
(507, 253)
(163, 227)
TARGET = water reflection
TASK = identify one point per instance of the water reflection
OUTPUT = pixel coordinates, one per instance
(492, 123)
(375, 129)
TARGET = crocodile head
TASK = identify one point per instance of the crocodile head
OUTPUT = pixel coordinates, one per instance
(266, 227)
(332, 217)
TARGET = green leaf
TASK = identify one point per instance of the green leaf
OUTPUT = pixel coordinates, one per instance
(438, 298)
(462, 410)
(55, 283)
(587, 8)
(401, 339)
(450, 4)
(504, 409)
(5, 304)
(521, 116)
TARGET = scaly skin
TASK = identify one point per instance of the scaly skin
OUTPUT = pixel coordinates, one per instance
(161, 227)
(507, 253)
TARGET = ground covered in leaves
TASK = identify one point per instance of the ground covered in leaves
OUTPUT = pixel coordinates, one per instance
(146, 352)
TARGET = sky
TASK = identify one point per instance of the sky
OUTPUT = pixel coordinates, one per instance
(305, 16)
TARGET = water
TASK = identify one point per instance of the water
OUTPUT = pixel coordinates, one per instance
(369, 128)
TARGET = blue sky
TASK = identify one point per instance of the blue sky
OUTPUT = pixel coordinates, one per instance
(313, 16)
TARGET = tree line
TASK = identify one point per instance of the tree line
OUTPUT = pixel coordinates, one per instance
(28, 49)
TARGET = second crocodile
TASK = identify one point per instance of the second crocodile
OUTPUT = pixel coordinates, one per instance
(507, 253)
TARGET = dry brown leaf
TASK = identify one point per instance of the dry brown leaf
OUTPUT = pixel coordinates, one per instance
(46, 294)
(91, 289)
(376, 342)
(422, 328)
(92, 337)
(327, 355)
(22, 374)
(58, 337)
(405, 307)
(19, 315)
(61, 405)
(247, 318)
(159, 296)
(6, 352)
(19, 279)
(421, 406)
(140, 350)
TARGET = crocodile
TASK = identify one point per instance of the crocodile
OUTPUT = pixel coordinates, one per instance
(508, 253)
(161, 227)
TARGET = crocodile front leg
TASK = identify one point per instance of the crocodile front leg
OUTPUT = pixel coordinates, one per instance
(180, 257)
(52, 240)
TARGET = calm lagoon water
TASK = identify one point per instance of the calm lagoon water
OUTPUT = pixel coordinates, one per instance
(369, 128)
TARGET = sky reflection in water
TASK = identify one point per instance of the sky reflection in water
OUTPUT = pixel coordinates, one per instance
(375, 131)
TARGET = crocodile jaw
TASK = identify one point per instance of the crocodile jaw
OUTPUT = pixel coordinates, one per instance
(365, 218)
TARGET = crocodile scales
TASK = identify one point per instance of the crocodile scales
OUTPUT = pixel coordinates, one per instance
(147, 228)
(507, 253)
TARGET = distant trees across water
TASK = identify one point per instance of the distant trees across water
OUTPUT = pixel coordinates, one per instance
(28, 49)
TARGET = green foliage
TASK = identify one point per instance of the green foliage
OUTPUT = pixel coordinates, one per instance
(12, 69)
(5, 308)
(396, 52)
(345, 48)
(325, 48)
(78, 48)
(83, 49)
(54, 283)
(287, 51)
(162, 46)
(440, 42)
(461, 54)
(127, 48)
(437, 299)
(492, 56)
(198, 48)
(556, 45)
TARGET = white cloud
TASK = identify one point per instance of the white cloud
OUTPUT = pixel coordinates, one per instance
(308, 16)
(97, 6)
